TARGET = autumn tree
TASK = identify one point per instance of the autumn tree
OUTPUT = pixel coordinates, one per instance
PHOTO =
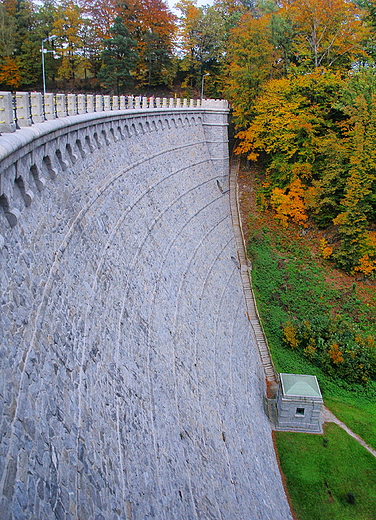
(8, 29)
(155, 36)
(327, 33)
(68, 27)
(255, 55)
(294, 127)
(202, 43)
(19, 43)
(317, 132)
(102, 13)
(10, 75)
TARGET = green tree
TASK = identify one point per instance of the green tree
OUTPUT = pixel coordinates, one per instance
(118, 58)
(357, 208)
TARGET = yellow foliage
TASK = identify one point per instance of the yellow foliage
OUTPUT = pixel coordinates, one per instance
(372, 239)
(326, 30)
(340, 219)
(335, 354)
(311, 195)
(310, 350)
(289, 332)
(302, 170)
(368, 341)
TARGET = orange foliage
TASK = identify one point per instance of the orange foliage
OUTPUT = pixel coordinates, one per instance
(10, 73)
(335, 354)
(366, 265)
(289, 204)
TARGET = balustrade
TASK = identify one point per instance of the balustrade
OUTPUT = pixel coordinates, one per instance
(24, 108)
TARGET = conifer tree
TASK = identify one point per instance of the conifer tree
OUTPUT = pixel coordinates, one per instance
(118, 58)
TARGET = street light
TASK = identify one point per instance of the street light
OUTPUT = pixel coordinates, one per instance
(49, 39)
(202, 84)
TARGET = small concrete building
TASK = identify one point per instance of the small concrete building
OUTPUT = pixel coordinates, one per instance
(299, 403)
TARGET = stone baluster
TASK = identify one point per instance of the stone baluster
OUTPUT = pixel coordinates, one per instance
(115, 102)
(107, 103)
(123, 102)
(23, 108)
(164, 102)
(144, 102)
(7, 123)
(90, 108)
(81, 103)
(171, 104)
(137, 102)
(36, 106)
(178, 103)
(192, 103)
(99, 103)
(157, 102)
(185, 103)
(61, 105)
(49, 106)
(72, 104)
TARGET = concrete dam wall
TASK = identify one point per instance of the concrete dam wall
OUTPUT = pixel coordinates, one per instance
(131, 387)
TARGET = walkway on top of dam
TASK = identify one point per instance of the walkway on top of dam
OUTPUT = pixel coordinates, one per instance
(141, 372)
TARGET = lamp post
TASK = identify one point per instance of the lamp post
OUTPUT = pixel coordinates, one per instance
(202, 84)
(49, 39)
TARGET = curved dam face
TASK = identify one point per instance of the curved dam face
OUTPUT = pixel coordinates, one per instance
(131, 387)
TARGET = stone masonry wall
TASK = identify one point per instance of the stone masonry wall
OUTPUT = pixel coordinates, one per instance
(130, 385)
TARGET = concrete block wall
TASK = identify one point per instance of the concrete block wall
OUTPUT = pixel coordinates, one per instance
(289, 419)
(131, 387)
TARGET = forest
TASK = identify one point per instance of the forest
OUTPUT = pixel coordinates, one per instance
(299, 74)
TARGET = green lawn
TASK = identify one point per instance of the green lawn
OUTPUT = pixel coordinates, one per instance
(320, 478)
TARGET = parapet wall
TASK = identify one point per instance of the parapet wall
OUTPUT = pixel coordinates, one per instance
(35, 154)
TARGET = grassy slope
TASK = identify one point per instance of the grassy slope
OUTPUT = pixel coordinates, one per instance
(291, 280)
(290, 285)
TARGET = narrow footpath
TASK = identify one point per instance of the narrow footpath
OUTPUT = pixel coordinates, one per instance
(330, 417)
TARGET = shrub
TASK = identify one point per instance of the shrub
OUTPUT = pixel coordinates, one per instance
(335, 345)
